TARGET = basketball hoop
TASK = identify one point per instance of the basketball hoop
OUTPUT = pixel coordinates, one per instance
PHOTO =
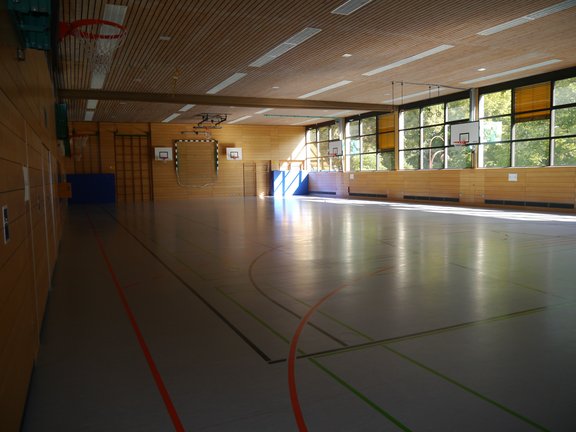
(100, 39)
(460, 143)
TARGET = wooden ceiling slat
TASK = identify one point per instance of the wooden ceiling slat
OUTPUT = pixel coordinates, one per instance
(212, 39)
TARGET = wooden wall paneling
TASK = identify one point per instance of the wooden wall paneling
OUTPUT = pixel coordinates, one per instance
(249, 178)
(133, 168)
(263, 178)
(17, 226)
(27, 132)
(17, 356)
(262, 145)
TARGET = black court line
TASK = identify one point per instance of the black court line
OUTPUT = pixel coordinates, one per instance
(415, 335)
(281, 306)
(235, 329)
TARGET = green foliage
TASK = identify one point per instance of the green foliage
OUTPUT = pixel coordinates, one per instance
(386, 161)
(498, 103)
(369, 162)
(531, 153)
(565, 91)
(368, 126)
(353, 128)
(354, 163)
(411, 159)
(369, 144)
(458, 110)
(433, 115)
(565, 151)
(411, 138)
(410, 119)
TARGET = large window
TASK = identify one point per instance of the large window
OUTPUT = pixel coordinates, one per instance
(425, 136)
(318, 145)
(369, 143)
(529, 126)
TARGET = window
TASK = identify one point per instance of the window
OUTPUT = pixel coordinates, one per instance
(318, 148)
(529, 126)
(386, 142)
(564, 122)
(495, 129)
(424, 136)
(370, 143)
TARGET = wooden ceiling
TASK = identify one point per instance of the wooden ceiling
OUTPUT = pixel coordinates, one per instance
(181, 49)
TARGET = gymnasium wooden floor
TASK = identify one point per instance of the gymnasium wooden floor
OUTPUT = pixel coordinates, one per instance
(325, 315)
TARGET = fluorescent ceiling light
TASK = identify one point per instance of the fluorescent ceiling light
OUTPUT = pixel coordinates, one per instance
(228, 81)
(89, 115)
(91, 104)
(325, 89)
(350, 6)
(528, 18)
(410, 96)
(411, 59)
(170, 117)
(305, 121)
(239, 119)
(97, 79)
(339, 113)
(264, 111)
(510, 72)
(186, 107)
(285, 46)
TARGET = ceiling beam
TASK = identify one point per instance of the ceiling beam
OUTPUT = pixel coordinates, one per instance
(221, 100)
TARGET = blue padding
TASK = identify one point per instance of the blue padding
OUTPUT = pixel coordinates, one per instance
(289, 183)
(92, 188)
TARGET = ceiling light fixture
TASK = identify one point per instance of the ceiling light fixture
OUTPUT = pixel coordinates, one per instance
(240, 119)
(91, 104)
(350, 6)
(285, 46)
(227, 82)
(170, 118)
(401, 98)
(346, 55)
(528, 18)
(89, 115)
(164, 38)
(305, 121)
(411, 59)
(510, 72)
(265, 110)
(97, 79)
(482, 69)
(325, 89)
(186, 108)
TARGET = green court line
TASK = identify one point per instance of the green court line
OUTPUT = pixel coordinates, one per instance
(360, 395)
(255, 317)
(330, 317)
(468, 389)
(312, 357)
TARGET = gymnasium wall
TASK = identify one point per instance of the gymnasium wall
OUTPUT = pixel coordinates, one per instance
(552, 188)
(264, 148)
(27, 139)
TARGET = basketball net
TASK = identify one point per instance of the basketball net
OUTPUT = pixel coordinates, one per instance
(99, 38)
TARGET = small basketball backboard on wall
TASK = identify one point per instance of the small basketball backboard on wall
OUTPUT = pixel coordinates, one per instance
(464, 133)
(163, 153)
(234, 153)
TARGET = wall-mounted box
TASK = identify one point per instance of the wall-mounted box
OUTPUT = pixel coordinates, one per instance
(163, 153)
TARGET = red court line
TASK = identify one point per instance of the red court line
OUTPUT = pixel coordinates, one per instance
(292, 359)
(151, 364)
(296, 408)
